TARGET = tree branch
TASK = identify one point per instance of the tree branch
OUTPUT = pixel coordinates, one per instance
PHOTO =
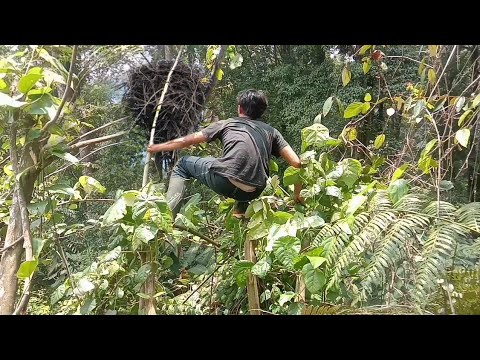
(97, 140)
(95, 130)
(193, 232)
(64, 97)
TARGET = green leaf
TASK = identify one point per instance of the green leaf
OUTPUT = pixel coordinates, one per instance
(315, 135)
(306, 222)
(53, 61)
(286, 249)
(399, 172)
(273, 166)
(285, 297)
(44, 105)
(262, 267)
(66, 156)
(26, 269)
(130, 196)
(61, 189)
(143, 273)
(29, 80)
(316, 261)
(38, 208)
(430, 147)
(314, 278)
(462, 136)
(464, 117)
(354, 203)
(432, 76)
(281, 217)
(433, 49)
(6, 100)
(236, 61)
(89, 184)
(459, 103)
(476, 101)
(115, 212)
(241, 270)
(220, 74)
(379, 140)
(144, 233)
(291, 176)
(257, 232)
(54, 140)
(33, 133)
(58, 294)
(419, 107)
(318, 119)
(364, 49)
(351, 170)
(88, 306)
(367, 65)
(365, 107)
(340, 106)
(84, 287)
(37, 246)
(353, 109)
(144, 296)
(327, 106)
(346, 76)
(397, 190)
(333, 191)
(367, 97)
(3, 85)
(277, 232)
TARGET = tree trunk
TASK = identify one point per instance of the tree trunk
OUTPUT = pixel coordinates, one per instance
(10, 261)
(252, 286)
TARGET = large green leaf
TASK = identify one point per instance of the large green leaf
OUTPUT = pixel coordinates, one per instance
(316, 135)
(352, 169)
(380, 139)
(84, 286)
(58, 294)
(399, 172)
(90, 184)
(115, 212)
(354, 203)
(262, 267)
(277, 231)
(462, 136)
(241, 270)
(44, 105)
(316, 261)
(26, 269)
(30, 79)
(353, 109)
(301, 222)
(143, 273)
(286, 297)
(398, 189)
(291, 176)
(314, 278)
(144, 233)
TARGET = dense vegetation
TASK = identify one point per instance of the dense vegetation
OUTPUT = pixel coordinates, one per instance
(389, 138)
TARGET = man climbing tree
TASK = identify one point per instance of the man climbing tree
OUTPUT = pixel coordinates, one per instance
(242, 172)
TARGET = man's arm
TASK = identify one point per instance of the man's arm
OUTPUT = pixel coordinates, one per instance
(289, 156)
(179, 143)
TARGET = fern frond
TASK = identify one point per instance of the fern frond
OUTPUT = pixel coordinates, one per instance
(367, 237)
(412, 202)
(446, 210)
(380, 202)
(392, 248)
(437, 251)
(469, 215)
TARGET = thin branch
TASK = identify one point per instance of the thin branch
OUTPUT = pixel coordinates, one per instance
(11, 245)
(443, 71)
(91, 153)
(97, 140)
(95, 130)
(154, 124)
(64, 97)
(193, 232)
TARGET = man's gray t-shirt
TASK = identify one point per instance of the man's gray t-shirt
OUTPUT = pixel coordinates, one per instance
(247, 148)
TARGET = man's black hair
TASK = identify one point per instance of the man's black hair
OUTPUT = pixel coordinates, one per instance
(253, 103)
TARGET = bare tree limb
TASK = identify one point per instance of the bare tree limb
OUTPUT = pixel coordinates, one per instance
(97, 140)
(97, 129)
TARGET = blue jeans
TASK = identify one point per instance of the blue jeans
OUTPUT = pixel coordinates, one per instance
(195, 167)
